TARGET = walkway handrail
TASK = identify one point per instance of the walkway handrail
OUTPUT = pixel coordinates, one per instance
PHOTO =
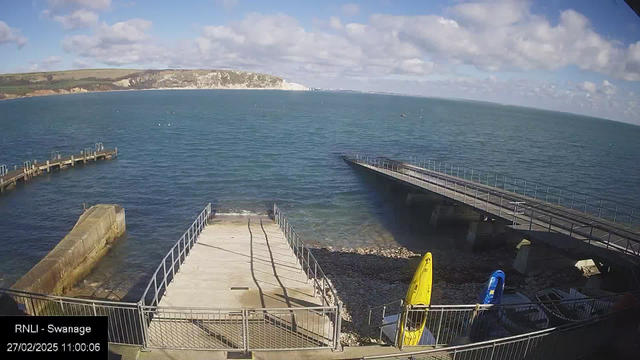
(308, 262)
(602, 208)
(124, 318)
(555, 221)
(526, 337)
(177, 255)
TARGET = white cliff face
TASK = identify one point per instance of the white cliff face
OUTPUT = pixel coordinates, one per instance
(293, 86)
(205, 79)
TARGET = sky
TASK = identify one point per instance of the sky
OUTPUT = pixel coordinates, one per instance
(576, 56)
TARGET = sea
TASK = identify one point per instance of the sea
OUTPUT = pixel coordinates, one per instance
(244, 150)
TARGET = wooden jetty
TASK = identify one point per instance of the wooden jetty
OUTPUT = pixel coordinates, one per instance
(31, 169)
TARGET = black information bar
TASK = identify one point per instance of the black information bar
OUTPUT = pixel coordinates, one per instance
(54, 337)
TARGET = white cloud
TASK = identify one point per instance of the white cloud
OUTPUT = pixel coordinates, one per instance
(335, 23)
(229, 4)
(11, 35)
(51, 61)
(56, 5)
(80, 64)
(588, 87)
(388, 48)
(77, 19)
(351, 9)
(122, 43)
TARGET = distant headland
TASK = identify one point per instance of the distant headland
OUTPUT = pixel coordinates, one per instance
(90, 80)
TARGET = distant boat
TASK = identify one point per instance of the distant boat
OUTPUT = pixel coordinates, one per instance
(522, 316)
(402, 115)
(493, 289)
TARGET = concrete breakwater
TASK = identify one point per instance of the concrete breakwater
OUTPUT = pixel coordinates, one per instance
(77, 253)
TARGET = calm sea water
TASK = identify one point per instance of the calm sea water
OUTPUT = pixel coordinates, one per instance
(244, 150)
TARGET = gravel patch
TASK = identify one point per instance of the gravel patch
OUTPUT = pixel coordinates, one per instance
(369, 277)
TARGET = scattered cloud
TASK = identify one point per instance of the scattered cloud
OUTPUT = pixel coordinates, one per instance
(11, 35)
(491, 37)
(335, 23)
(122, 43)
(80, 64)
(351, 9)
(77, 19)
(229, 4)
(588, 87)
(56, 5)
(51, 61)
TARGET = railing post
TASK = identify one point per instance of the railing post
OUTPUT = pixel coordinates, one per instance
(245, 331)
(338, 324)
(164, 268)
(600, 209)
(531, 220)
(143, 326)
(155, 285)
(173, 265)
(315, 277)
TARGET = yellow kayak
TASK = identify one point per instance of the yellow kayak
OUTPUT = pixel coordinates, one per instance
(419, 293)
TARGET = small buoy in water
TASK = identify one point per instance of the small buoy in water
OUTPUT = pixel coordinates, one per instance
(158, 124)
(420, 117)
(168, 124)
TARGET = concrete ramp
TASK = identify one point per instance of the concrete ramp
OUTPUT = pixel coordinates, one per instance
(241, 287)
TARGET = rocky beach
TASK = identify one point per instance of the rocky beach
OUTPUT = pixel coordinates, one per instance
(369, 277)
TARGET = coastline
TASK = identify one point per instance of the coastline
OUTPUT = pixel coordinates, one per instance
(122, 90)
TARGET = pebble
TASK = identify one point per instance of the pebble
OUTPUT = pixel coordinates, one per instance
(367, 277)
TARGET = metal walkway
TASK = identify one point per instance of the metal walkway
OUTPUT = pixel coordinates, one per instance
(244, 283)
(535, 212)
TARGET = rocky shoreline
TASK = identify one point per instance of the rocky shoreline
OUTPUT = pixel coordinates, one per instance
(369, 277)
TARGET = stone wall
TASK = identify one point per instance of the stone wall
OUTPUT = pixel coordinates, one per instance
(77, 253)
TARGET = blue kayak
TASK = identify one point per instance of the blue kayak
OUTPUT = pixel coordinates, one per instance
(493, 289)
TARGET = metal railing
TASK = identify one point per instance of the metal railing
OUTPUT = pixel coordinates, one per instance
(309, 265)
(616, 212)
(241, 329)
(448, 324)
(571, 341)
(524, 215)
(125, 325)
(307, 261)
(172, 262)
(247, 329)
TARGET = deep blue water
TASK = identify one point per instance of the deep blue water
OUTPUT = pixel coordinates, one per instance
(243, 150)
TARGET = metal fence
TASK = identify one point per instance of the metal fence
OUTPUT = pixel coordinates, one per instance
(125, 326)
(593, 205)
(242, 329)
(524, 213)
(451, 324)
(152, 326)
(307, 261)
(571, 341)
(172, 262)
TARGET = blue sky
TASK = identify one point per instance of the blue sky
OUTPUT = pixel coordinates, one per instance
(568, 55)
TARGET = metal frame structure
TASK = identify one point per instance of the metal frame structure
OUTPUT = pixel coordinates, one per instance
(450, 322)
(524, 212)
(571, 341)
(250, 329)
(616, 212)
